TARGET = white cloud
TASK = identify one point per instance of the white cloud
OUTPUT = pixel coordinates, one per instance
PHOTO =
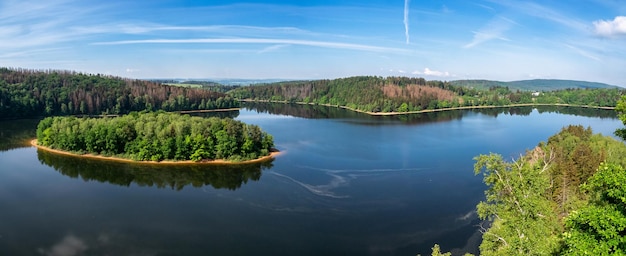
(429, 72)
(406, 20)
(610, 28)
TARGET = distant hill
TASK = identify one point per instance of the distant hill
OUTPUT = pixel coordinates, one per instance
(533, 85)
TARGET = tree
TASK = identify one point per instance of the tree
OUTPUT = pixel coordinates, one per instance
(521, 216)
(600, 227)
(621, 110)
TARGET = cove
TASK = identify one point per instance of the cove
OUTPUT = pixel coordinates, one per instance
(345, 184)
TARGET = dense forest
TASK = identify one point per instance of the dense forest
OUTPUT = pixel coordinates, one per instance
(156, 136)
(403, 94)
(567, 196)
(27, 93)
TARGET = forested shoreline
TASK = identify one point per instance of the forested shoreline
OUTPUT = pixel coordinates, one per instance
(397, 95)
(30, 93)
(156, 136)
(567, 196)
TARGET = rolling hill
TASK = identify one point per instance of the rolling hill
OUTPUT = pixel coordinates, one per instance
(533, 85)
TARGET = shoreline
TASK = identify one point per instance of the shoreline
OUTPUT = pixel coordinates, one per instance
(207, 110)
(431, 110)
(272, 155)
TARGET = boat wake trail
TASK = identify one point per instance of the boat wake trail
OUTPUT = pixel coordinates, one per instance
(320, 190)
(339, 178)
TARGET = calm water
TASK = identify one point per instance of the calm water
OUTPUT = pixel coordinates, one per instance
(346, 184)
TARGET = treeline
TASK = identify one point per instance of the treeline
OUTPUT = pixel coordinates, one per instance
(366, 93)
(25, 93)
(403, 94)
(156, 136)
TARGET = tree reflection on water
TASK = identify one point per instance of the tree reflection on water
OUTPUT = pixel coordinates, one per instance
(174, 176)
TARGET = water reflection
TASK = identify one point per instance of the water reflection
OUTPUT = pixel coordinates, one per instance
(326, 112)
(17, 133)
(220, 114)
(175, 177)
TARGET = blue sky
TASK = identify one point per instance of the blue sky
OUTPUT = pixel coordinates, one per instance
(438, 39)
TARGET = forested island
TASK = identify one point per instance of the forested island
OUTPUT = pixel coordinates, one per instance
(33, 93)
(375, 95)
(156, 136)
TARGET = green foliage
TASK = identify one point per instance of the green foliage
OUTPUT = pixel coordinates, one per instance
(554, 188)
(600, 227)
(25, 93)
(575, 155)
(156, 136)
(521, 216)
(437, 251)
(621, 110)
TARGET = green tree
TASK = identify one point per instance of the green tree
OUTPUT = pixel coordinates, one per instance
(600, 227)
(521, 216)
(621, 110)
(156, 136)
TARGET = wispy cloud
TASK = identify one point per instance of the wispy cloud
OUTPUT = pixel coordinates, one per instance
(610, 28)
(322, 44)
(493, 30)
(406, 20)
(27, 24)
(543, 12)
(489, 8)
(130, 28)
(582, 52)
(273, 48)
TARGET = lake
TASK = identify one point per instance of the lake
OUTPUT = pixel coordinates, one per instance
(345, 184)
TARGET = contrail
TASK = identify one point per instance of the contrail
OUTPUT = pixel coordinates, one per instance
(406, 20)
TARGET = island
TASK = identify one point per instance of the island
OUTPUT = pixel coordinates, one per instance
(156, 137)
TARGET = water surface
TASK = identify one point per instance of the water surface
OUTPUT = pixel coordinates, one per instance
(346, 184)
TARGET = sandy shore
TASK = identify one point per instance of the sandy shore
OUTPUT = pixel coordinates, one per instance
(92, 156)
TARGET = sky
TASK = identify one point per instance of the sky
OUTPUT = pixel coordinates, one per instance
(502, 40)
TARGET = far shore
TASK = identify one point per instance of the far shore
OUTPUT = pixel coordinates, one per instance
(207, 110)
(433, 110)
(118, 159)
